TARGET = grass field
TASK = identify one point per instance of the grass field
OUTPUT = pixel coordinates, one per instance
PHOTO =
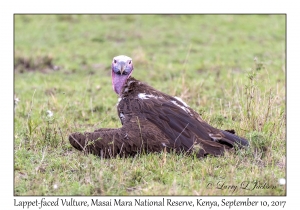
(229, 68)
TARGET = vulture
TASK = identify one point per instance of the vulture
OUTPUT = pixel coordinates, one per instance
(153, 121)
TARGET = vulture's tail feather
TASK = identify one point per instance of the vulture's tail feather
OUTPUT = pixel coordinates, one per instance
(235, 139)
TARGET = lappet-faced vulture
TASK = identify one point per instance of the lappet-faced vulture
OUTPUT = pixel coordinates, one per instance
(152, 121)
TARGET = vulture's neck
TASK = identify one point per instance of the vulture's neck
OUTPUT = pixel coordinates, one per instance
(130, 86)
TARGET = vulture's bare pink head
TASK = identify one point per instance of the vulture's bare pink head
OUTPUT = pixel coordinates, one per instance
(121, 69)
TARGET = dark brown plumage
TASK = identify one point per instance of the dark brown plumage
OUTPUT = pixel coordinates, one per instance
(152, 121)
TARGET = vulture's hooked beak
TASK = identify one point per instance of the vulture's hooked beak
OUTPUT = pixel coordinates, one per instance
(122, 67)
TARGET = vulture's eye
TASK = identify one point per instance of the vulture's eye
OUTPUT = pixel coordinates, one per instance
(115, 61)
(129, 62)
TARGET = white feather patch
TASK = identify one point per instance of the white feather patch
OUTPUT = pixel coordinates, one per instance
(182, 107)
(145, 96)
(179, 99)
(119, 99)
(214, 137)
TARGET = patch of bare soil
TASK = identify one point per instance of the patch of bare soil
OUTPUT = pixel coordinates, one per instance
(41, 63)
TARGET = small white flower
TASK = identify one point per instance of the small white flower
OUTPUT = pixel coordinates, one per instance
(55, 186)
(49, 113)
(281, 181)
(16, 101)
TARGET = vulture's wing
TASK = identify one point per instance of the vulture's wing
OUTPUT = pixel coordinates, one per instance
(137, 135)
(184, 127)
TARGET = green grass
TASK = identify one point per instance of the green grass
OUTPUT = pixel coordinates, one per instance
(229, 68)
